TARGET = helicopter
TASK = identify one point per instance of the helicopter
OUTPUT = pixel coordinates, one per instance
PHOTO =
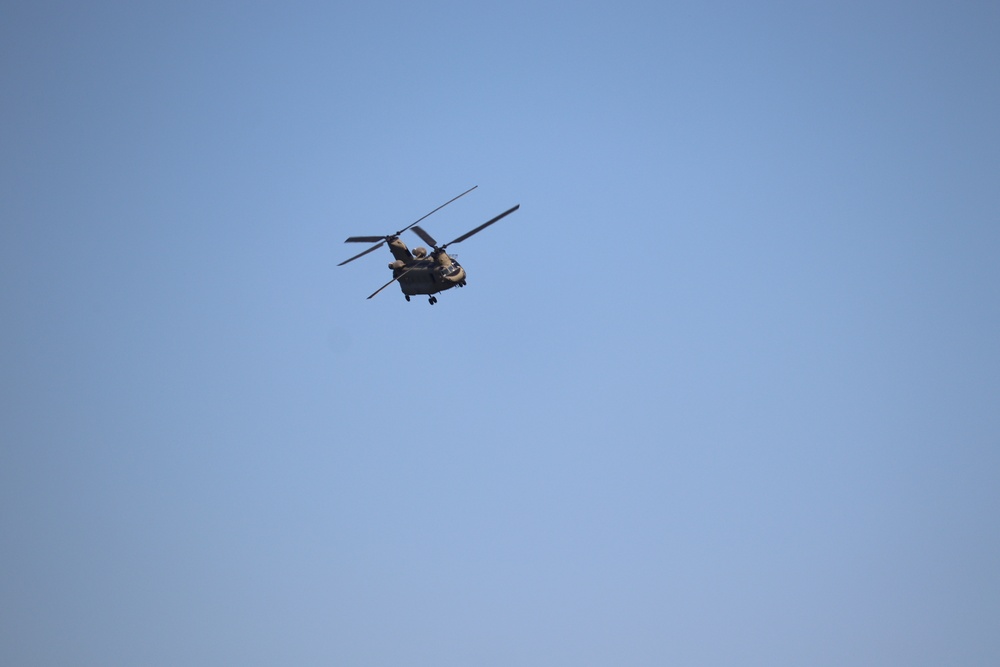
(422, 271)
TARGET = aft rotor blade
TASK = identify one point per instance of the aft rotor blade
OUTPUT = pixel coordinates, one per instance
(362, 254)
(428, 239)
(481, 227)
(389, 283)
(437, 209)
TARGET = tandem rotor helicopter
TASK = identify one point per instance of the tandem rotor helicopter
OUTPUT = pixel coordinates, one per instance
(418, 272)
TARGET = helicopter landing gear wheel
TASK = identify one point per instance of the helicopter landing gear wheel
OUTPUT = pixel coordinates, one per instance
(407, 296)
(432, 300)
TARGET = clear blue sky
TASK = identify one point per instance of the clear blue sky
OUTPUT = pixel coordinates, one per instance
(725, 390)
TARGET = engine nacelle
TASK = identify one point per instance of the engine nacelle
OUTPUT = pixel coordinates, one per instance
(420, 252)
(398, 264)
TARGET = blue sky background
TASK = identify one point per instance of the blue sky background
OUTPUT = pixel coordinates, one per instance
(724, 391)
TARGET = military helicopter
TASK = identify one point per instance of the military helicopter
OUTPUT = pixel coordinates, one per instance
(420, 272)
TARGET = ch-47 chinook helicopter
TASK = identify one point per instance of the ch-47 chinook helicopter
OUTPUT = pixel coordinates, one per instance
(418, 272)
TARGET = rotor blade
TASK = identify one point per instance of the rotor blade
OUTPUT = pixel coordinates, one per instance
(437, 209)
(364, 239)
(428, 239)
(362, 254)
(481, 227)
(389, 283)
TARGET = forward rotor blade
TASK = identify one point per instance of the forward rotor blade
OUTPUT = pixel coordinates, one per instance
(428, 239)
(379, 240)
(364, 239)
(481, 227)
(389, 283)
(362, 254)
(437, 209)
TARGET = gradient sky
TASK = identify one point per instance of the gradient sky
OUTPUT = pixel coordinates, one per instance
(724, 391)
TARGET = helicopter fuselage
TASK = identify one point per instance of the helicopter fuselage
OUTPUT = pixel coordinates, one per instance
(427, 275)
